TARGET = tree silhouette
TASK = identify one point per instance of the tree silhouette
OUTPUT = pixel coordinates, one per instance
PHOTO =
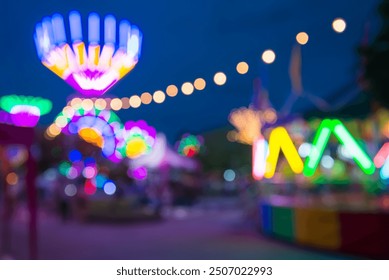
(376, 61)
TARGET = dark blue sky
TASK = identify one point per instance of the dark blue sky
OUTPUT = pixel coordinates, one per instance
(184, 40)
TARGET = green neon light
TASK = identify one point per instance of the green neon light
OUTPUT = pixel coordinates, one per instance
(343, 135)
(9, 101)
(359, 156)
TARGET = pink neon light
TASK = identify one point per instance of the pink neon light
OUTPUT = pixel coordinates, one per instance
(382, 155)
(260, 151)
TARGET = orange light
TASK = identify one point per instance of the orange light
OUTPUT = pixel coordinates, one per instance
(146, 98)
(199, 84)
(172, 90)
(91, 136)
(302, 38)
(53, 130)
(12, 178)
(242, 67)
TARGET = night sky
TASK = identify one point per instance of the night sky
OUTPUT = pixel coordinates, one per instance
(184, 40)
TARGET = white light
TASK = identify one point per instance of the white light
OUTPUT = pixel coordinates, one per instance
(109, 188)
(70, 190)
(268, 56)
(344, 153)
(327, 162)
(305, 149)
(229, 175)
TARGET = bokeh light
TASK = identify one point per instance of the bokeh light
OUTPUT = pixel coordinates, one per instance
(242, 67)
(109, 188)
(159, 96)
(135, 101)
(116, 104)
(146, 98)
(302, 38)
(220, 78)
(70, 190)
(268, 56)
(339, 25)
(171, 90)
(199, 84)
(12, 178)
(187, 88)
(229, 175)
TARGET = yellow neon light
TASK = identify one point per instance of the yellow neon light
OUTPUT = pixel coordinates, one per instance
(280, 140)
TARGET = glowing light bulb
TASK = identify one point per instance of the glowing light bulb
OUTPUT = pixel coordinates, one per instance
(199, 84)
(220, 78)
(242, 67)
(187, 88)
(302, 38)
(339, 25)
(268, 56)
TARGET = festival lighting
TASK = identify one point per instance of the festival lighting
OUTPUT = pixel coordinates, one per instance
(339, 25)
(260, 153)
(302, 38)
(94, 67)
(90, 187)
(75, 155)
(187, 88)
(382, 156)
(172, 90)
(247, 123)
(242, 67)
(280, 140)
(199, 84)
(220, 78)
(229, 175)
(5, 117)
(25, 110)
(109, 188)
(12, 178)
(101, 128)
(139, 173)
(70, 190)
(384, 172)
(139, 138)
(268, 56)
(189, 145)
(321, 139)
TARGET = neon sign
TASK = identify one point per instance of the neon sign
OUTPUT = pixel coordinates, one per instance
(265, 156)
(94, 68)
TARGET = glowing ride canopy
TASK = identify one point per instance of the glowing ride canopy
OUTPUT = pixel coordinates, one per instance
(25, 110)
(91, 68)
(99, 127)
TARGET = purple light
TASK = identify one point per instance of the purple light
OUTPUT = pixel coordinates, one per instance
(139, 173)
(25, 118)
